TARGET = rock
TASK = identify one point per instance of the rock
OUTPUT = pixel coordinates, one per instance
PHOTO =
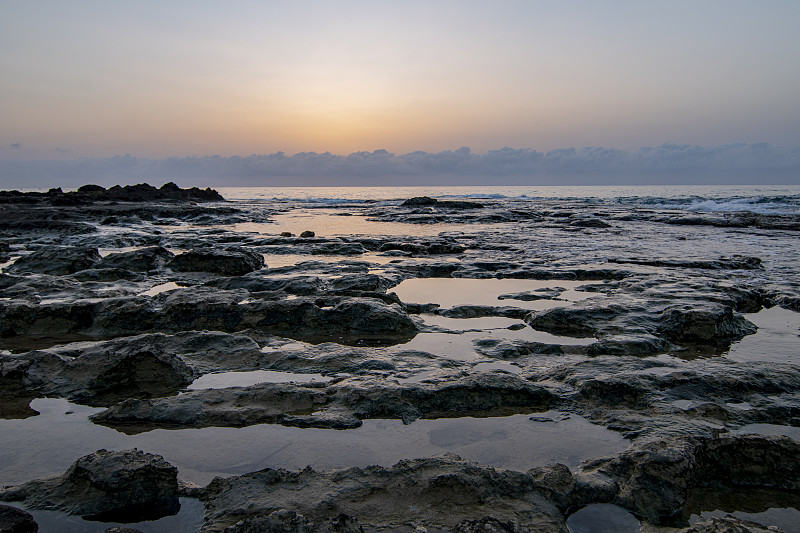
(419, 201)
(122, 530)
(487, 524)
(341, 405)
(307, 234)
(106, 486)
(56, 260)
(137, 260)
(226, 262)
(233, 261)
(500, 349)
(425, 201)
(287, 234)
(654, 478)
(728, 524)
(13, 520)
(723, 263)
(280, 521)
(634, 345)
(710, 323)
(439, 492)
(589, 223)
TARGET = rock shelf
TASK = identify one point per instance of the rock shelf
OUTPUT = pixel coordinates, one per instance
(120, 298)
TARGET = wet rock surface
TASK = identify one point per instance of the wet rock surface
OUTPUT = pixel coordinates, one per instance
(13, 520)
(106, 486)
(119, 298)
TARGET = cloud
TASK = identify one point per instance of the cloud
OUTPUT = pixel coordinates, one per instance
(668, 163)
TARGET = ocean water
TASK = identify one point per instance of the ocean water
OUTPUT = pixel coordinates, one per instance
(763, 199)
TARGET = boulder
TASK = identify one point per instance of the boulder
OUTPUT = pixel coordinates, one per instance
(233, 261)
(13, 520)
(107, 486)
(56, 260)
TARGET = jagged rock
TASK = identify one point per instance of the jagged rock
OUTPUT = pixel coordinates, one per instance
(108, 486)
(99, 376)
(341, 405)
(56, 260)
(634, 345)
(419, 200)
(501, 349)
(226, 262)
(426, 201)
(654, 478)
(487, 524)
(13, 520)
(711, 323)
(728, 524)
(137, 260)
(280, 521)
(439, 492)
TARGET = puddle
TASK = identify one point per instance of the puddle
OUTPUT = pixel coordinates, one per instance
(499, 365)
(770, 429)
(777, 339)
(108, 251)
(451, 292)
(603, 518)
(327, 223)
(459, 344)
(163, 287)
(188, 520)
(48, 444)
(284, 260)
(763, 505)
(222, 380)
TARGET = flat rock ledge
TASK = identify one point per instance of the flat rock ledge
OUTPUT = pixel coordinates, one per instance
(652, 480)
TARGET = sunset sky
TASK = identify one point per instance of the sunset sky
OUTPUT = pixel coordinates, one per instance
(94, 79)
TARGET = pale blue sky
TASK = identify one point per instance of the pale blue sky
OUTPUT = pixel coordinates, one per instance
(155, 79)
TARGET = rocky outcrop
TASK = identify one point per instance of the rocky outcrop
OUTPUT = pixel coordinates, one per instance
(13, 520)
(426, 201)
(728, 524)
(89, 194)
(439, 492)
(348, 320)
(340, 405)
(106, 486)
(232, 261)
(137, 260)
(653, 479)
(56, 260)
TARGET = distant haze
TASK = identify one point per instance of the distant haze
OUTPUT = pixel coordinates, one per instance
(711, 86)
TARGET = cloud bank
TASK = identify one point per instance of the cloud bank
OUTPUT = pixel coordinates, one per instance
(666, 164)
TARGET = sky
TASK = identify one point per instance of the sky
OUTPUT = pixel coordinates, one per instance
(91, 80)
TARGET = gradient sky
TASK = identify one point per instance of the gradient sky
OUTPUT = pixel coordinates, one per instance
(155, 79)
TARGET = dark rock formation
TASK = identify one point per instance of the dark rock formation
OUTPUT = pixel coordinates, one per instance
(56, 260)
(106, 486)
(439, 492)
(342, 405)
(13, 520)
(232, 261)
(137, 260)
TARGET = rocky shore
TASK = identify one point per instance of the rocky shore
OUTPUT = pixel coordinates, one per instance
(637, 320)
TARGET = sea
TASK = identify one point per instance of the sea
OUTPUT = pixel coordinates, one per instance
(761, 199)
